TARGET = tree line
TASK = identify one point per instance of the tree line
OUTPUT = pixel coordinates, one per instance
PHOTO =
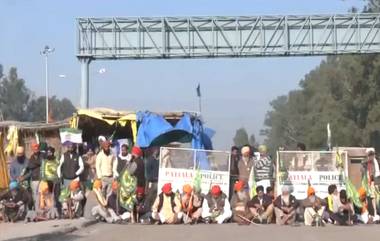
(343, 91)
(19, 103)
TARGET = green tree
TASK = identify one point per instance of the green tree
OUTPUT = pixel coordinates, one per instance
(14, 96)
(241, 137)
(58, 109)
(16, 102)
(342, 90)
(252, 140)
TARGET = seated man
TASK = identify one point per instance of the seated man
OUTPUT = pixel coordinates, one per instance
(191, 205)
(47, 209)
(142, 210)
(239, 200)
(285, 207)
(114, 204)
(261, 207)
(102, 211)
(343, 210)
(331, 200)
(75, 201)
(270, 192)
(314, 207)
(15, 202)
(216, 207)
(167, 207)
(366, 213)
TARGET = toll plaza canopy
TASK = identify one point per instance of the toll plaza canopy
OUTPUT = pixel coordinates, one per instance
(143, 128)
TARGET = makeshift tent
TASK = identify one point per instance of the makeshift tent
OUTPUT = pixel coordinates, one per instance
(143, 128)
(154, 130)
(4, 176)
(25, 133)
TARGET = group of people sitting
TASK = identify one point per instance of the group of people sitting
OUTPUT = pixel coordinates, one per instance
(123, 188)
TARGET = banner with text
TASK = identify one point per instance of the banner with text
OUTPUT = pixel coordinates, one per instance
(179, 167)
(319, 169)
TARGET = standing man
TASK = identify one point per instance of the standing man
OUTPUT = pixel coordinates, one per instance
(371, 173)
(70, 166)
(19, 164)
(234, 169)
(245, 164)
(151, 174)
(264, 167)
(124, 161)
(106, 168)
(137, 155)
(33, 171)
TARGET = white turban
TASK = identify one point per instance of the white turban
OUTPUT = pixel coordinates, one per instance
(101, 139)
(285, 188)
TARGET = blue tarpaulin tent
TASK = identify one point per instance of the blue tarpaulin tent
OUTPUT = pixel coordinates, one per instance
(154, 130)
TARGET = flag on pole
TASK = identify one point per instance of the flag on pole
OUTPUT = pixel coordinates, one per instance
(199, 90)
(197, 181)
(328, 136)
(252, 183)
(70, 135)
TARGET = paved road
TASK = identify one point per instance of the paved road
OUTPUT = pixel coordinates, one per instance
(225, 232)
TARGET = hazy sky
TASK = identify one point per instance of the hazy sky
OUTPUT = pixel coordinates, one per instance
(236, 92)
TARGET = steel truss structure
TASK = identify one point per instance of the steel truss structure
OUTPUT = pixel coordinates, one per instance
(219, 36)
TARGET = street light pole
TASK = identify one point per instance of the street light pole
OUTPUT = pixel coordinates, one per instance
(47, 50)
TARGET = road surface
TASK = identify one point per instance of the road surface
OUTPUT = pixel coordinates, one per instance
(225, 232)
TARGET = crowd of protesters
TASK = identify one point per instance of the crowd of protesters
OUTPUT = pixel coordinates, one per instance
(123, 189)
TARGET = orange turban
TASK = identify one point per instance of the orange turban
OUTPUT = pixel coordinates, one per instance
(310, 191)
(239, 186)
(362, 192)
(44, 187)
(187, 189)
(215, 190)
(115, 185)
(167, 188)
(97, 184)
(74, 185)
(35, 147)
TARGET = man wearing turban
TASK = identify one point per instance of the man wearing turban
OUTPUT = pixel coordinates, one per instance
(366, 213)
(314, 208)
(167, 207)
(245, 164)
(239, 200)
(285, 207)
(216, 207)
(191, 202)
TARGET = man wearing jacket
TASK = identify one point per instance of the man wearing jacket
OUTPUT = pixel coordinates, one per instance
(70, 165)
(33, 172)
(167, 207)
(216, 207)
(239, 200)
(285, 207)
(261, 206)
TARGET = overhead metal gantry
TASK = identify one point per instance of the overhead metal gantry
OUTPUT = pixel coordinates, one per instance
(226, 37)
